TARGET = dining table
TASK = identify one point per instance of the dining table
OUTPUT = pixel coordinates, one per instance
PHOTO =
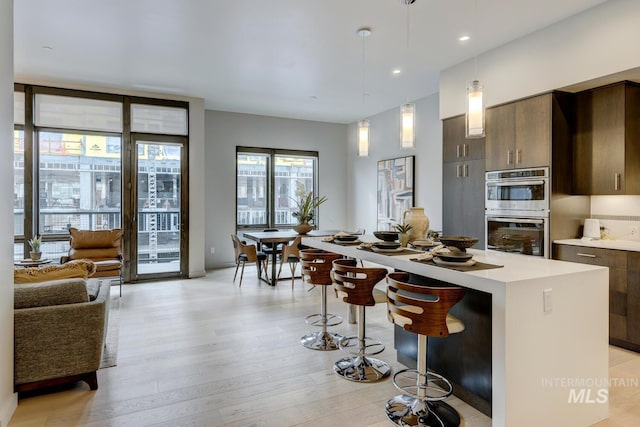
(277, 237)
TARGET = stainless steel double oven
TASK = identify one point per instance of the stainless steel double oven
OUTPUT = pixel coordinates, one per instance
(517, 211)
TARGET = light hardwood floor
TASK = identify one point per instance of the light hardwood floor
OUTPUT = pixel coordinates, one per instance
(204, 352)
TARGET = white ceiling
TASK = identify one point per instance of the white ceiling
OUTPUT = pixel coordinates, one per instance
(288, 58)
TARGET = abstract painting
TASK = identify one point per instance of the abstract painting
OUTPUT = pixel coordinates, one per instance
(395, 190)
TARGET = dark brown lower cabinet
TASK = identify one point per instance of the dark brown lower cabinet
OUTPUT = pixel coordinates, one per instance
(624, 288)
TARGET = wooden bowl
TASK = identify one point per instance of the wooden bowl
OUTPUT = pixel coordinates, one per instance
(387, 236)
(460, 242)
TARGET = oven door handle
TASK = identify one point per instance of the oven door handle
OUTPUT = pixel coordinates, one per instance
(523, 220)
(512, 183)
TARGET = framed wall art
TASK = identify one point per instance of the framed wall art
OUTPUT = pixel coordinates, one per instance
(395, 190)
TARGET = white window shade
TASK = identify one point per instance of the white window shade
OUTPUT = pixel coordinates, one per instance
(78, 113)
(159, 119)
(18, 108)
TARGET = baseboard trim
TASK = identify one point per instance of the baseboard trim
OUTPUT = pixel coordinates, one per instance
(8, 409)
(196, 274)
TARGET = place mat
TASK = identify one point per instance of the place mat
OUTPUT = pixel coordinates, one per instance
(403, 252)
(464, 268)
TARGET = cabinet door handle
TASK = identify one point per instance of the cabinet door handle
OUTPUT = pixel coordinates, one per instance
(586, 255)
(465, 170)
(465, 150)
(518, 156)
(458, 151)
(508, 157)
(616, 181)
(458, 171)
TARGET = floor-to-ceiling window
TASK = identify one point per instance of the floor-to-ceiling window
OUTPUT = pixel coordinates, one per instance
(268, 182)
(75, 159)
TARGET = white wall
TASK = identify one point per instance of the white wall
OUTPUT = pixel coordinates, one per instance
(385, 144)
(595, 43)
(224, 131)
(196, 187)
(8, 400)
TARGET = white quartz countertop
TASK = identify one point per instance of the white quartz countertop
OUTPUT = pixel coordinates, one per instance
(515, 267)
(624, 245)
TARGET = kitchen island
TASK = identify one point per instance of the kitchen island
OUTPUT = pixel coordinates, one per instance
(549, 360)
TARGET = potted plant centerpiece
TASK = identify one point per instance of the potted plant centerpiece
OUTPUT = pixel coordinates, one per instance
(305, 208)
(403, 233)
(35, 247)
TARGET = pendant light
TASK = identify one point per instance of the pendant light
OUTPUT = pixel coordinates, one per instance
(408, 110)
(474, 113)
(363, 138)
(363, 125)
(475, 110)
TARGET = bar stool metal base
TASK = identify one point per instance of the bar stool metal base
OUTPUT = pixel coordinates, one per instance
(362, 369)
(323, 320)
(407, 411)
(323, 341)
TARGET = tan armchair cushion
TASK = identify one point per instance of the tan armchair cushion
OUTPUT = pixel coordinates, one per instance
(94, 239)
(99, 254)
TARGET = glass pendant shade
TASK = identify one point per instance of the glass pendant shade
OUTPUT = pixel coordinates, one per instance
(363, 138)
(475, 110)
(407, 126)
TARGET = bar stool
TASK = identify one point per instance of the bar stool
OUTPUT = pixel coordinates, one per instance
(316, 268)
(423, 310)
(356, 284)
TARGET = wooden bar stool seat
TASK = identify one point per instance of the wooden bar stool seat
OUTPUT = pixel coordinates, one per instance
(356, 285)
(423, 310)
(316, 270)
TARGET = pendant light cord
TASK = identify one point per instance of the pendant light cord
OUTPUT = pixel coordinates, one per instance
(363, 67)
(407, 55)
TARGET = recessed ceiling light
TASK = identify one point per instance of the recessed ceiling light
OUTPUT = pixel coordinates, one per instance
(396, 71)
(464, 38)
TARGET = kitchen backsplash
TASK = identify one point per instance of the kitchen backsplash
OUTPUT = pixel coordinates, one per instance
(620, 215)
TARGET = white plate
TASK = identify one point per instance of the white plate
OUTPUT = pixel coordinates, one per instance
(467, 263)
(387, 251)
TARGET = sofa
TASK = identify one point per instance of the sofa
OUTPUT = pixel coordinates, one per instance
(60, 329)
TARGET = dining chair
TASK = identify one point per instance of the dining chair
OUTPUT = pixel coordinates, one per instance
(291, 255)
(248, 253)
(268, 248)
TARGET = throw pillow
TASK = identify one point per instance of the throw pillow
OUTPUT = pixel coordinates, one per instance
(81, 268)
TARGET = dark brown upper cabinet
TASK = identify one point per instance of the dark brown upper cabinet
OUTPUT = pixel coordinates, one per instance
(518, 134)
(463, 181)
(607, 140)
(457, 147)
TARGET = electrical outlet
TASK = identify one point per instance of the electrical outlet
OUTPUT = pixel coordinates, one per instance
(546, 300)
(634, 231)
(213, 251)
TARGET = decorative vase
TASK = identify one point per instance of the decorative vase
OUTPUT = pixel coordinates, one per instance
(419, 223)
(303, 228)
(35, 256)
(404, 239)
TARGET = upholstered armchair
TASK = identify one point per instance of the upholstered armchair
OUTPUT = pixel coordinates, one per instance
(103, 247)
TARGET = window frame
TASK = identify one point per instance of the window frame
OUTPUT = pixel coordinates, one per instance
(271, 154)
